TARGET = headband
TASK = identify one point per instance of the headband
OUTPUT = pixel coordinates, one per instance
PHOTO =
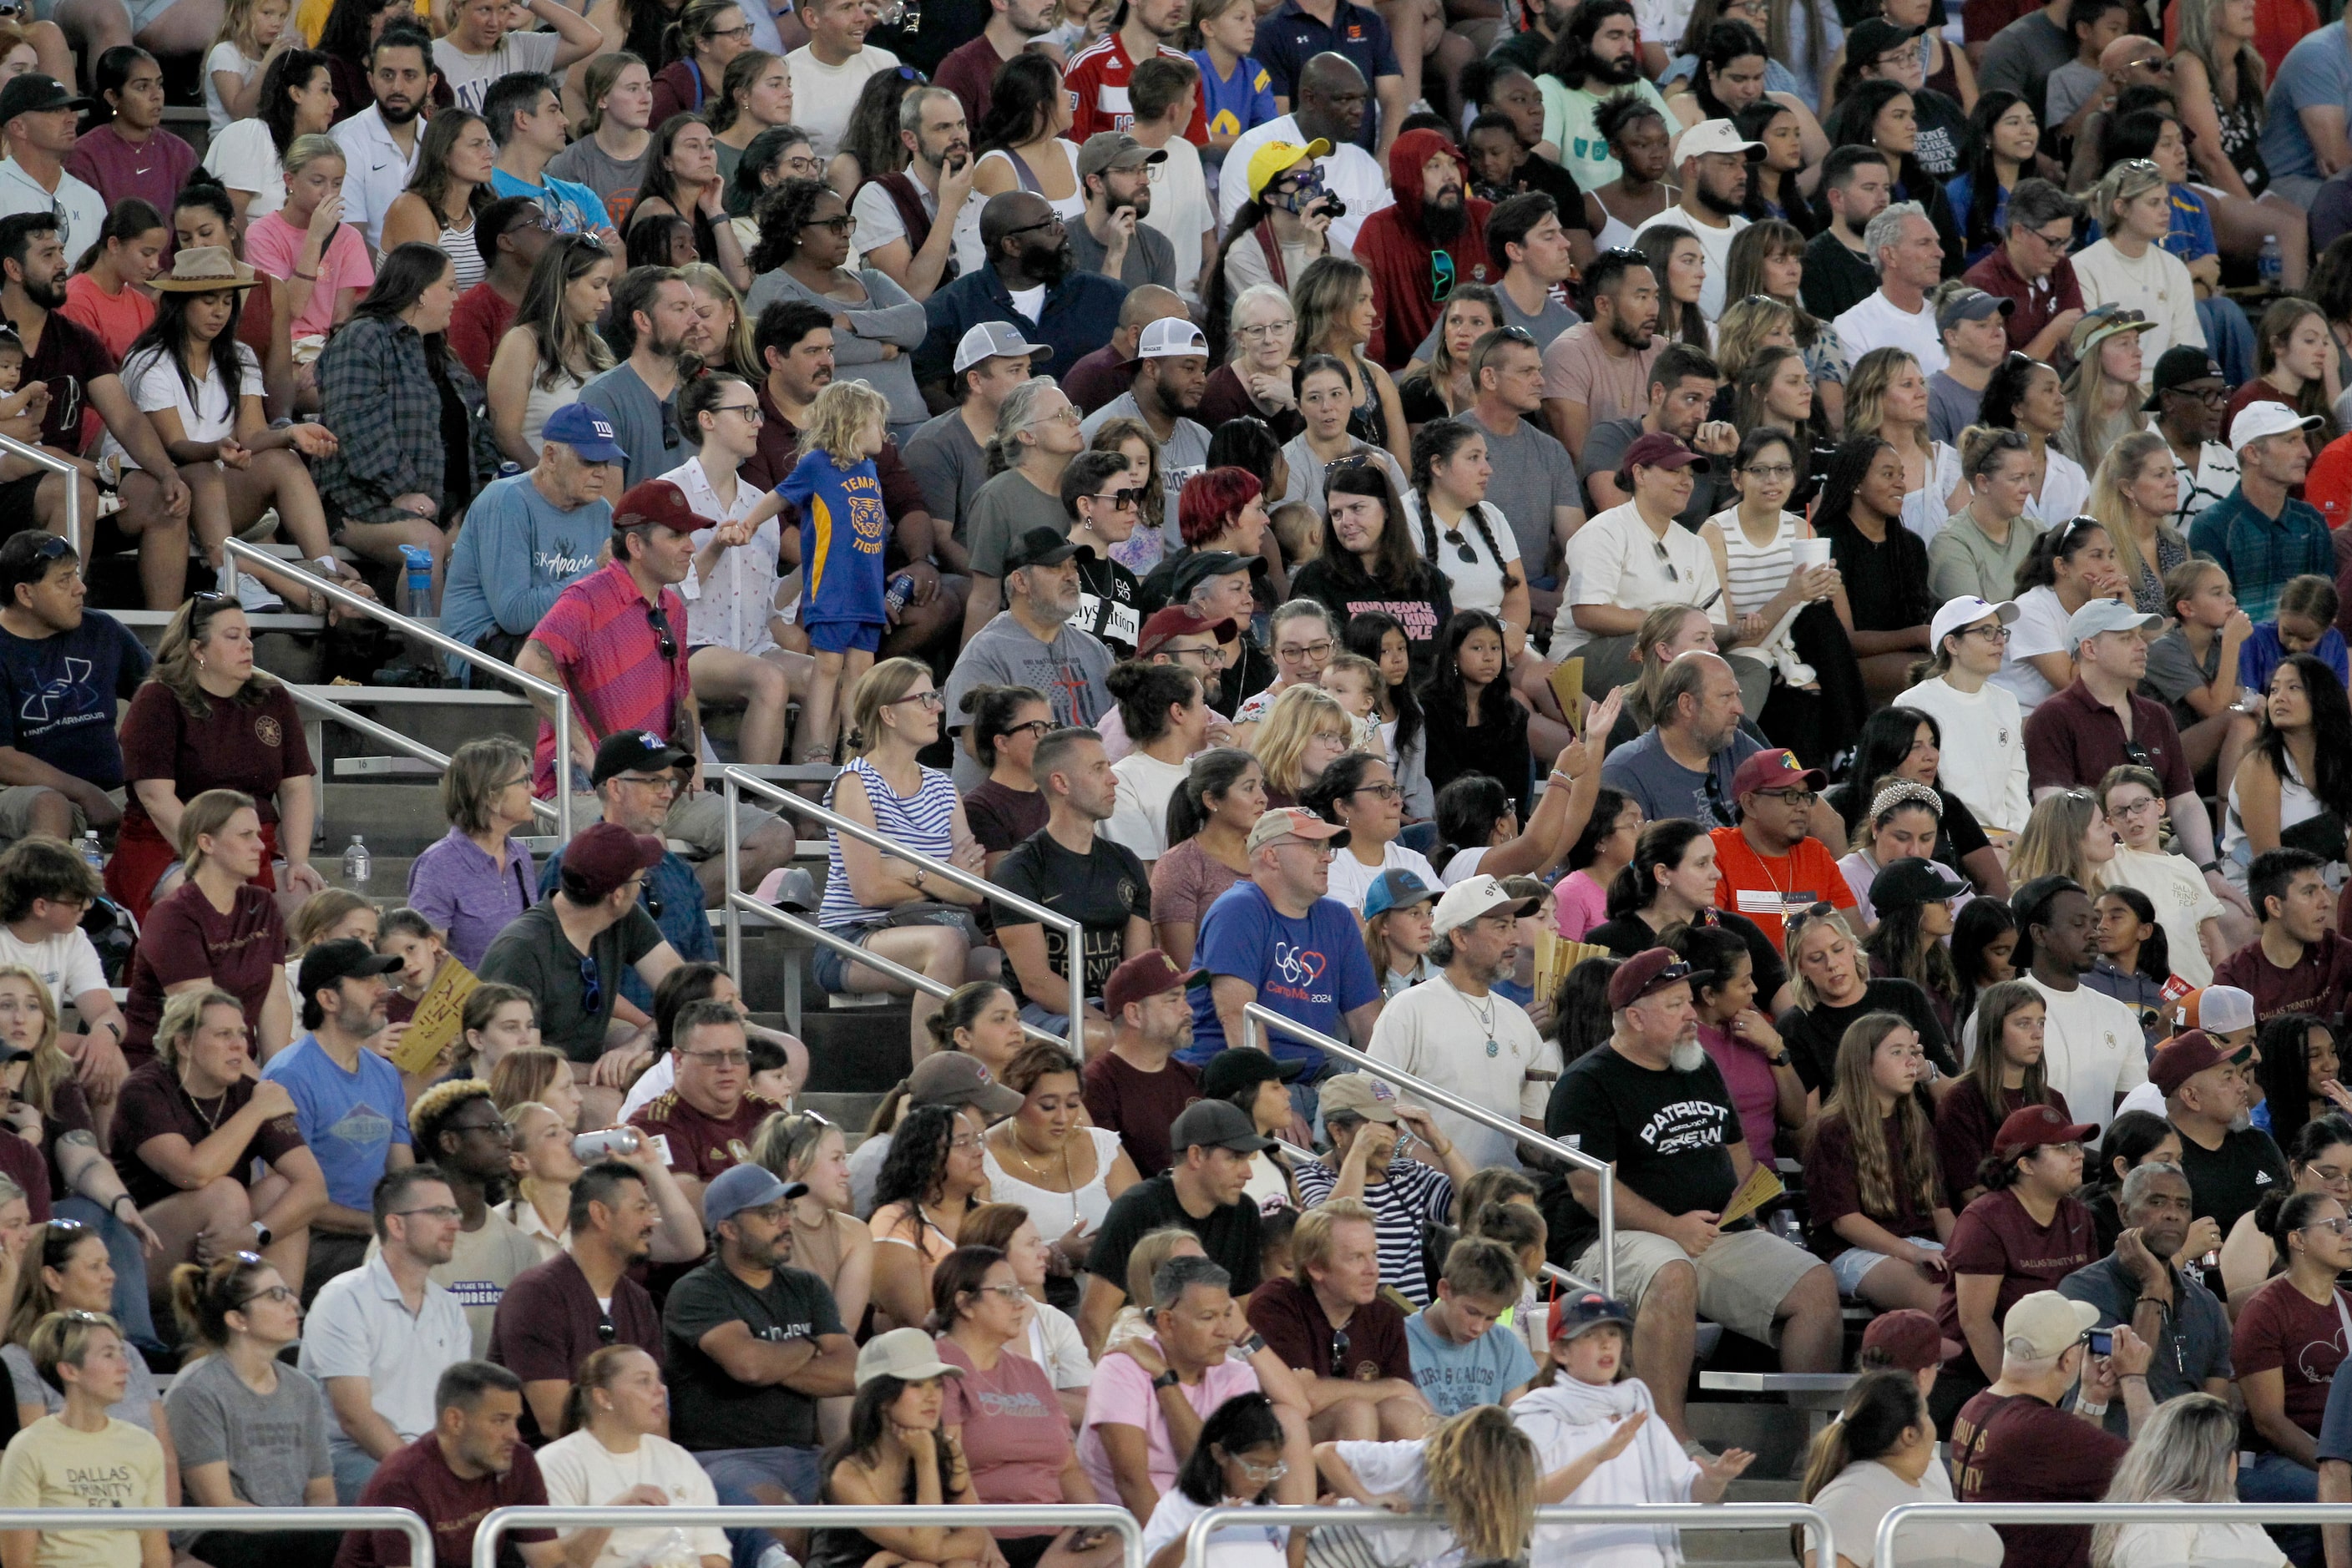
(1902, 793)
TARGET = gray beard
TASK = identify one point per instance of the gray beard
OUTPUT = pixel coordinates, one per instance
(1687, 1055)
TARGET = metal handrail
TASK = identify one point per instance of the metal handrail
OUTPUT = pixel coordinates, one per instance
(2096, 1513)
(1707, 1516)
(409, 625)
(1257, 1015)
(382, 735)
(11, 447)
(265, 1520)
(734, 780)
(1084, 1516)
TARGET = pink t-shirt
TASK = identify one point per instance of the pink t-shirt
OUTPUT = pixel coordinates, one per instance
(1122, 1394)
(1015, 1431)
(1581, 903)
(1748, 1077)
(274, 246)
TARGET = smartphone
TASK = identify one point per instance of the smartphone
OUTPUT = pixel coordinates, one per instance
(2102, 1342)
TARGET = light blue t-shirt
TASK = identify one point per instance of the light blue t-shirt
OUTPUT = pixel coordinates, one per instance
(2315, 74)
(351, 1119)
(1455, 1377)
(576, 209)
(517, 552)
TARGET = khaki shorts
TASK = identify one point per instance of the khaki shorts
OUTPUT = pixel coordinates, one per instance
(698, 821)
(1742, 1278)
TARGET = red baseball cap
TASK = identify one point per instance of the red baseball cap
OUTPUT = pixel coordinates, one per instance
(2034, 1126)
(1148, 973)
(604, 855)
(1638, 976)
(1776, 769)
(660, 503)
(1180, 621)
(1909, 1339)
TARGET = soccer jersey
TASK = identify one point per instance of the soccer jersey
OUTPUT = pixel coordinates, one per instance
(1096, 84)
(843, 527)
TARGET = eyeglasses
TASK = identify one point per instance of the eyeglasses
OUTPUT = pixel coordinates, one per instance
(282, 1294)
(908, 73)
(1992, 633)
(2138, 754)
(721, 1058)
(432, 1211)
(2338, 1225)
(666, 784)
(1803, 797)
(1054, 221)
(1263, 1474)
(752, 413)
(662, 633)
(1262, 331)
(1003, 1292)
(498, 1126)
(1382, 792)
(840, 225)
(743, 32)
(964, 1141)
(2135, 808)
(2054, 241)
(1315, 650)
(592, 987)
(1771, 472)
(931, 701)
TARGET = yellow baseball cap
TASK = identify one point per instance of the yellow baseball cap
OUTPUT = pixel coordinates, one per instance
(1268, 163)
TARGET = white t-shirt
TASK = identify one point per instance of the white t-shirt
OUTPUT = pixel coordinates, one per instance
(581, 1472)
(1875, 323)
(877, 215)
(154, 383)
(824, 95)
(2066, 488)
(1351, 879)
(80, 211)
(1056, 1344)
(1866, 1492)
(2182, 899)
(2157, 285)
(1386, 1467)
(1925, 508)
(2091, 1049)
(1139, 820)
(2164, 1545)
(1653, 1468)
(1983, 749)
(1440, 1036)
(244, 158)
(1475, 584)
(1350, 173)
(225, 60)
(469, 75)
(67, 964)
(1250, 1546)
(1179, 209)
(1715, 242)
(2040, 629)
(1613, 560)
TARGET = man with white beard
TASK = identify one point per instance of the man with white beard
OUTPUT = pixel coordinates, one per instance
(1653, 1103)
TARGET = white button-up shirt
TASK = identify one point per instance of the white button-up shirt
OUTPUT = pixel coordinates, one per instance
(375, 170)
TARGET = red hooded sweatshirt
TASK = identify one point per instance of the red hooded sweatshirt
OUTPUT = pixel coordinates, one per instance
(1409, 287)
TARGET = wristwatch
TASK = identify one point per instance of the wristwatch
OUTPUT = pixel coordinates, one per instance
(1165, 1380)
(1254, 1344)
(1783, 1059)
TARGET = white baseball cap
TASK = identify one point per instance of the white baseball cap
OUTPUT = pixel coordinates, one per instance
(2048, 1323)
(1714, 136)
(2257, 420)
(1471, 897)
(2101, 616)
(1171, 337)
(1967, 611)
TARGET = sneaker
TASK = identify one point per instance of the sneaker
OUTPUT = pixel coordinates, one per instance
(253, 596)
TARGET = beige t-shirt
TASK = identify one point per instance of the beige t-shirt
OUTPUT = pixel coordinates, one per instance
(51, 1465)
(1577, 370)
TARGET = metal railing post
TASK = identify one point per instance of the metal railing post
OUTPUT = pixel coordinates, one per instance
(2097, 1513)
(265, 1520)
(732, 795)
(327, 707)
(1256, 1016)
(11, 447)
(1684, 1515)
(432, 637)
(1061, 1516)
(1073, 934)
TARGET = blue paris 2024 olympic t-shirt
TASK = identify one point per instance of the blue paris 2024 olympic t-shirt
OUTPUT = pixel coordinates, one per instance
(1314, 969)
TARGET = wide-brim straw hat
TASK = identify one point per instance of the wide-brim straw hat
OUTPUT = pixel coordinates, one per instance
(205, 269)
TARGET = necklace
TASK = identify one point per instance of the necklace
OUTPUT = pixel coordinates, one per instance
(211, 1117)
(1486, 1020)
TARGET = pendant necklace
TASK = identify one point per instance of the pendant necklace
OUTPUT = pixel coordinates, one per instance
(1486, 1020)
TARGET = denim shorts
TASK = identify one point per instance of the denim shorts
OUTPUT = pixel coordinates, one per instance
(830, 969)
(1851, 1265)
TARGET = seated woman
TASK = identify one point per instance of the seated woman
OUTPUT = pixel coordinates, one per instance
(540, 1074)
(1907, 745)
(251, 1428)
(1977, 552)
(1758, 1069)
(2028, 396)
(898, 1451)
(2285, 1356)
(545, 1166)
(1830, 976)
(981, 1020)
(928, 1182)
(87, 1353)
(2319, 1163)
(1880, 1454)
(1671, 879)
(499, 1020)
(615, 1438)
(1403, 1193)
(2295, 1069)
(1914, 921)
(73, 1278)
(479, 877)
(1049, 1336)
(1007, 723)
(204, 680)
(828, 1240)
(1048, 1157)
(2189, 1453)
(1440, 387)
(1901, 821)
(2129, 269)
(193, 1125)
(1209, 820)
(1255, 383)
(551, 349)
(804, 247)
(2007, 134)
(1878, 1210)
(1369, 565)
(2293, 790)
(1004, 1410)
(1336, 427)
(1883, 563)
(681, 180)
(2145, 126)
(219, 928)
(2004, 1076)
(2136, 494)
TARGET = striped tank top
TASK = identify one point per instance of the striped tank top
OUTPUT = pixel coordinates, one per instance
(1756, 573)
(922, 824)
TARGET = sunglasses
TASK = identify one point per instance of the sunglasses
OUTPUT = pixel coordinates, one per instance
(1469, 557)
(1126, 499)
(662, 633)
(592, 987)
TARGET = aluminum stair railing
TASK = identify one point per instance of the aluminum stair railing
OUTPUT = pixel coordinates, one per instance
(264, 1520)
(735, 781)
(11, 447)
(1257, 1016)
(1097, 1516)
(237, 550)
(1682, 1515)
(2096, 1513)
(382, 735)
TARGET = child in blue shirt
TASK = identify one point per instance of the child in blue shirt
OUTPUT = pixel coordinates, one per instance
(1463, 1353)
(2305, 623)
(843, 527)
(1236, 92)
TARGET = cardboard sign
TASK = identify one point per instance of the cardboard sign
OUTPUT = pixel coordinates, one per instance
(1567, 685)
(440, 1018)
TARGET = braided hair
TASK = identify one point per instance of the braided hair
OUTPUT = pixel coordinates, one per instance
(1435, 443)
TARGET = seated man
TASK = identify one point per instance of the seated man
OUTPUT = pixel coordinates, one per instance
(60, 761)
(1330, 1325)
(2141, 1284)
(459, 1126)
(709, 1116)
(1463, 1353)
(636, 777)
(1401, 1193)
(2207, 1094)
(2300, 962)
(471, 1459)
(1205, 1191)
(1652, 1103)
(1148, 1397)
(1772, 865)
(558, 1313)
(380, 1337)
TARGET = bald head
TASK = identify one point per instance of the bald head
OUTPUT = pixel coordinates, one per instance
(2117, 59)
(1009, 213)
(1329, 73)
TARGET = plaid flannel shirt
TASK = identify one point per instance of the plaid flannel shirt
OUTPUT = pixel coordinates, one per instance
(380, 399)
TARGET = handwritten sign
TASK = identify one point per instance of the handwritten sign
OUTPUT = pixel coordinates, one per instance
(440, 1016)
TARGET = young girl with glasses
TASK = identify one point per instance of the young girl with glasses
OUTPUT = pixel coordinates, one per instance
(2199, 930)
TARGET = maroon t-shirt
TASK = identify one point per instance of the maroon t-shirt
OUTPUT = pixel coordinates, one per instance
(418, 1478)
(1140, 1106)
(1996, 1236)
(548, 1323)
(1965, 1129)
(479, 321)
(1833, 1185)
(242, 951)
(2016, 1449)
(702, 1146)
(2320, 982)
(2073, 738)
(1294, 1327)
(1002, 817)
(236, 746)
(26, 1163)
(2282, 1329)
(154, 1102)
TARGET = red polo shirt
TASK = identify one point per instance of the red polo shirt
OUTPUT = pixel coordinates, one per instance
(2072, 739)
(2036, 302)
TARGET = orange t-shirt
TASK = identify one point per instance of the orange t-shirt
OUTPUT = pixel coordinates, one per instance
(1768, 889)
(116, 319)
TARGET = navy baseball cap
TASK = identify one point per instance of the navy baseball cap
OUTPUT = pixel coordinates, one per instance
(585, 431)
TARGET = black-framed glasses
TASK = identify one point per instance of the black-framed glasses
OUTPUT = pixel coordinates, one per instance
(280, 1293)
(1036, 729)
(592, 987)
(1126, 499)
(1382, 792)
(662, 633)
(1053, 220)
(840, 225)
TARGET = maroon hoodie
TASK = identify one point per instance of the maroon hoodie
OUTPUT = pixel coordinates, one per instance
(1409, 287)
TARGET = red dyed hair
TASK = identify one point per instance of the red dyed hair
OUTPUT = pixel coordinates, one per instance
(1210, 499)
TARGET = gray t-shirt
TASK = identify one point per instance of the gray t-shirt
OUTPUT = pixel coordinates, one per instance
(1069, 670)
(137, 1405)
(275, 1446)
(1149, 257)
(949, 466)
(1643, 771)
(2021, 56)
(640, 421)
(1533, 474)
(1184, 454)
(1546, 324)
(1604, 449)
(614, 180)
(1952, 408)
(2071, 86)
(1007, 506)
(2173, 673)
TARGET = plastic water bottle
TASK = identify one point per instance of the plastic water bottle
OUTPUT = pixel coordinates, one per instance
(900, 589)
(2270, 263)
(420, 579)
(91, 852)
(358, 865)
